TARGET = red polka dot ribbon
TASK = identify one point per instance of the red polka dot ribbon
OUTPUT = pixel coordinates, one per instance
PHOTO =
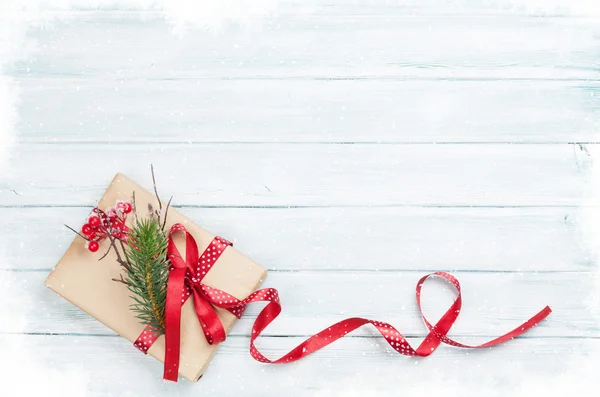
(187, 275)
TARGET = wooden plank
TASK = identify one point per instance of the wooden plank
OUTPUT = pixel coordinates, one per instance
(398, 44)
(392, 238)
(493, 303)
(307, 111)
(349, 367)
(336, 8)
(304, 175)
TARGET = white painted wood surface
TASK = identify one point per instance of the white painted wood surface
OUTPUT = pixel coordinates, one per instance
(398, 238)
(346, 146)
(355, 366)
(509, 298)
(304, 109)
(310, 175)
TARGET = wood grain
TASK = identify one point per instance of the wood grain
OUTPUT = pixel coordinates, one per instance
(115, 365)
(133, 45)
(299, 110)
(306, 175)
(493, 304)
(347, 239)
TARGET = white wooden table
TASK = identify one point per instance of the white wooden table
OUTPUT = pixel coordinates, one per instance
(346, 146)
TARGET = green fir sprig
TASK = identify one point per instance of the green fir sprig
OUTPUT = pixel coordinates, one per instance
(148, 271)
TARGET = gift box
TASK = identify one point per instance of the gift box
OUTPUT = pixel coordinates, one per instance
(85, 281)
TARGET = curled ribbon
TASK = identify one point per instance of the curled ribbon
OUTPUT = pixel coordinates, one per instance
(185, 280)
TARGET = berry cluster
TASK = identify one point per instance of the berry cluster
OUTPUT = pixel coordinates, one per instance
(101, 224)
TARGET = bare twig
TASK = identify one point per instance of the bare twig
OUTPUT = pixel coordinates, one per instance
(121, 280)
(133, 206)
(124, 250)
(77, 233)
(156, 193)
(114, 246)
(105, 254)
(166, 212)
(119, 259)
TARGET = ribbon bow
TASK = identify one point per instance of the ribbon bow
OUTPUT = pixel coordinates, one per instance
(185, 279)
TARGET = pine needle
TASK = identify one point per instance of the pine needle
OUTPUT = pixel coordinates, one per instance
(146, 253)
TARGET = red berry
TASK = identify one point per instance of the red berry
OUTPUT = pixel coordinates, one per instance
(111, 213)
(94, 221)
(93, 246)
(127, 208)
(87, 230)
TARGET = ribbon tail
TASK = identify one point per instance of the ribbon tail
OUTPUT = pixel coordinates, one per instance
(521, 329)
(209, 320)
(532, 322)
(173, 324)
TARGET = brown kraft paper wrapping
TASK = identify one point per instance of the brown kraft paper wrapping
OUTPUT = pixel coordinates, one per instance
(83, 280)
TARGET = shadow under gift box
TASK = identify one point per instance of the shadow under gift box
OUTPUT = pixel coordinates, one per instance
(86, 282)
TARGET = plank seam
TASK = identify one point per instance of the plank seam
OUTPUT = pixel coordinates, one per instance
(350, 336)
(372, 271)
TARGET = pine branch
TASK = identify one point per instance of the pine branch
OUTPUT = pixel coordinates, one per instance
(148, 272)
